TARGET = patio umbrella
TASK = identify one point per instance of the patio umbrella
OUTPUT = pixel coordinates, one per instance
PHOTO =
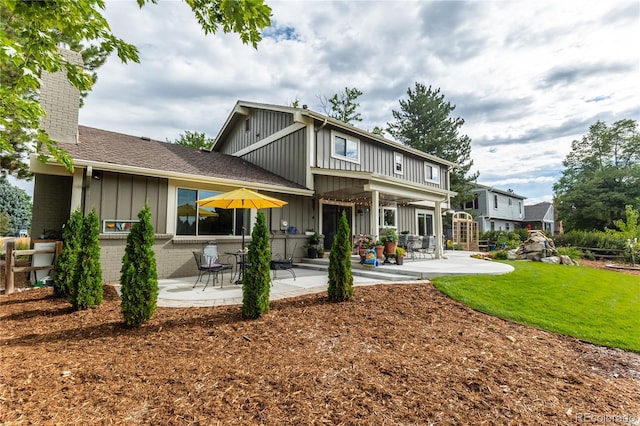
(241, 199)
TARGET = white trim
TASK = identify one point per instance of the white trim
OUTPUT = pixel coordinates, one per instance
(272, 138)
(347, 140)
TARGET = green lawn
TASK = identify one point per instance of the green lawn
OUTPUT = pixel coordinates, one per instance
(598, 306)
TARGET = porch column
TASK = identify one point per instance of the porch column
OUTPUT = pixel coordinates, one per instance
(374, 213)
(439, 254)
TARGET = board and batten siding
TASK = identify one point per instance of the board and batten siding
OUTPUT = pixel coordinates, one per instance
(122, 196)
(262, 123)
(286, 157)
(374, 158)
(299, 212)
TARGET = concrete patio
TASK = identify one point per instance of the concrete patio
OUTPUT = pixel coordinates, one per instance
(312, 278)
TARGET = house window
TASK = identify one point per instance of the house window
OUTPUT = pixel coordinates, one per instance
(520, 207)
(247, 125)
(493, 226)
(510, 201)
(194, 220)
(345, 148)
(508, 226)
(398, 163)
(431, 173)
(495, 201)
(476, 203)
(388, 217)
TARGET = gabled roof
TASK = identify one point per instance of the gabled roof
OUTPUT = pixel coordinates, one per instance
(509, 192)
(119, 152)
(536, 212)
(240, 110)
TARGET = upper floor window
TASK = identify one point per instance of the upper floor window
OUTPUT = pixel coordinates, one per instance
(510, 201)
(398, 163)
(495, 201)
(345, 148)
(247, 125)
(431, 173)
(389, 217)
(519, 206)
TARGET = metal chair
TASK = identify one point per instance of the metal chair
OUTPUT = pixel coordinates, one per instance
(208, 262)
(283, 264)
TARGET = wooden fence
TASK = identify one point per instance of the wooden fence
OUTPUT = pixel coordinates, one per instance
(10, 262)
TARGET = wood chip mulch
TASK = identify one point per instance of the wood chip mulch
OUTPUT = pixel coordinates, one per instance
(395, 355)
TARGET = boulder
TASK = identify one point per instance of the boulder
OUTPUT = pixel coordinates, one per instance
(536, 247)
(555, 260)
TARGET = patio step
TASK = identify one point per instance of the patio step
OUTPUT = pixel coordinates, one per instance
(383, 272)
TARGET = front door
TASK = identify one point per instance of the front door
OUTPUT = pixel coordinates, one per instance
(425, 223)
(330, 216)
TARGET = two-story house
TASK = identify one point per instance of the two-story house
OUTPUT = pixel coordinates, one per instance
(496, 209)
(319, 165)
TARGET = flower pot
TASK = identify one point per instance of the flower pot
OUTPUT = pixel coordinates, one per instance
(380, 252)
(312, 253)
(399, 260)
(390, 247)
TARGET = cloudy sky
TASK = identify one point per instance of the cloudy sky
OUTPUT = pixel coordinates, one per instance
(528, 77)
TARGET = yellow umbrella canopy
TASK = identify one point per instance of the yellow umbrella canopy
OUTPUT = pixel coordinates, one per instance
(241, 199)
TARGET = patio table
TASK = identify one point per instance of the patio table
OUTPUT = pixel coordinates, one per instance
(241, 261)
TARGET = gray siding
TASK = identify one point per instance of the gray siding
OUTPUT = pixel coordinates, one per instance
(374, 158)
(51, 203)
(300, 212)
(122, 196)
(286, 157)
(262, 123)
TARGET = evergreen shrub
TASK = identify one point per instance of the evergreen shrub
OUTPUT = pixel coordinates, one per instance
(87, 290)
(256, 282)
(340, 275)
(65, 277)
(139, 274)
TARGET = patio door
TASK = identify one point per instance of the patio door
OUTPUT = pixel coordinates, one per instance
(425, 223)
(330, 216)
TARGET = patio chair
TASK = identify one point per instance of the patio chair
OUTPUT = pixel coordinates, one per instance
(285, 264)
(413, 247)
(208, 262)
(429, 246)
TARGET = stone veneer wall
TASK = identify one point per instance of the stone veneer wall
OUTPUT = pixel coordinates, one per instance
(174, 257)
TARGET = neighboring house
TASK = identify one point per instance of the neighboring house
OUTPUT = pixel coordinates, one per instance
(495, 209)
(540, 216)
(319, 165)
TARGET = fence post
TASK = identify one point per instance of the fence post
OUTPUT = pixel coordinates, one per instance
(8, 263)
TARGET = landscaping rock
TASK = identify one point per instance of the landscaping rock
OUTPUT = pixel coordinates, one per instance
(555, 260)
(536, 247)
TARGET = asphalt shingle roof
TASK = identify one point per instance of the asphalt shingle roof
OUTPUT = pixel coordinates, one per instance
(119, 149)
(536, 212)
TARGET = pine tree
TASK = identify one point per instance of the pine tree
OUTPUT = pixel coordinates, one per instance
(340, 276)
(139, 275)
(88, 291)
(256, 282)
(65, 277)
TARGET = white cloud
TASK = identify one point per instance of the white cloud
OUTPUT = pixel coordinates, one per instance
(527, 77)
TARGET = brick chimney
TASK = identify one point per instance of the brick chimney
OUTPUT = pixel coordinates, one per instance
(61, 101)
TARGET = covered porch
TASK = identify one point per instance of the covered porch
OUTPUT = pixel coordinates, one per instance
(373, 202)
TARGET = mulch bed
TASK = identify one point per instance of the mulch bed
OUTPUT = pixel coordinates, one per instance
(395, 355)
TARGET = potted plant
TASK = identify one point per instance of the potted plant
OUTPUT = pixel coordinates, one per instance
(400, 254)
(320, 252)
(390, 241)
(312, 246)
(363, 243)
(379, 247)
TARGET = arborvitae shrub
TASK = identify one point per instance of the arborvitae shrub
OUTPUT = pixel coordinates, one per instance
(88, 291)
(340, 275)
(65, 273)
(257, 280)
(139, 275)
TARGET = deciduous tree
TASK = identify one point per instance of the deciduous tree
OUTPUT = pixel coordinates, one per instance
(29, 45)
(601, 177)
(424, 122)
(195, 140)
(343, 106)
